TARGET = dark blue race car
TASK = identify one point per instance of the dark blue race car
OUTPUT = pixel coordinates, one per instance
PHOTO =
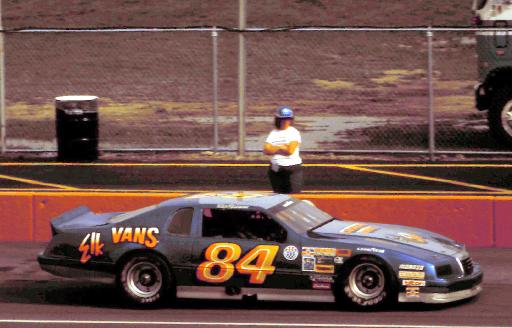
(266, 246)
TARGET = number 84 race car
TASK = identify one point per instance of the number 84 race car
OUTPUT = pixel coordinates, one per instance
(267, 246)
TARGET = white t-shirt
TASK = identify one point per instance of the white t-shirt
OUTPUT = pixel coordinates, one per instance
(283, 137)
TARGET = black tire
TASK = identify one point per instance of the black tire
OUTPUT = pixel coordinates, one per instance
(366, 283)
(500, 116)
(144, 279)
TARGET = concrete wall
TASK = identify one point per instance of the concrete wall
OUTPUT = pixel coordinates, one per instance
(476, 221)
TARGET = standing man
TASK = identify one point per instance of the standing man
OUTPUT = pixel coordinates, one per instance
(285, 172)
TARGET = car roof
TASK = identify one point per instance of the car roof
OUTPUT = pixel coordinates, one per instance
(236, 199)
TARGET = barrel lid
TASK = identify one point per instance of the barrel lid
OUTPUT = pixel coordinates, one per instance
(76, 98)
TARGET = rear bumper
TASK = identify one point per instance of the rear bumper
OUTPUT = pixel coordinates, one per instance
(103, 273)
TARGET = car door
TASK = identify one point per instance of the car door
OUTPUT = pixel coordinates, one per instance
(245, 248)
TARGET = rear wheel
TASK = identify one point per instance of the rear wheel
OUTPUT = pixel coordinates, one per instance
(144, 279)
(500, 115)
(366, 283)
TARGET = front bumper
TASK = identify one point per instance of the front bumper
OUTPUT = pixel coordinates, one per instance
(68, 268)
(446, 292)
(442, 297)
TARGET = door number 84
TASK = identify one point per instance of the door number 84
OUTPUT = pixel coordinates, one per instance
(257, 263)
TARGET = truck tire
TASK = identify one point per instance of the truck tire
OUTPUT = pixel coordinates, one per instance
(500, 116)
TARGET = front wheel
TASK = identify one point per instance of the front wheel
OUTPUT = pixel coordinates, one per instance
(367, 284)
(500, 115)
(144, 280)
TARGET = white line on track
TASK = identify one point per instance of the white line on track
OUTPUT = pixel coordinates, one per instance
(230, 324)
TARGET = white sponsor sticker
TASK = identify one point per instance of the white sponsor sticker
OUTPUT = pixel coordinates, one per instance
(415, 283)
(290, 252)
(338, 260)
(371, 250)
(411, 267)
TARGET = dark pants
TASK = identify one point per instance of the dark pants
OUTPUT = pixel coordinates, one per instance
(288, 180)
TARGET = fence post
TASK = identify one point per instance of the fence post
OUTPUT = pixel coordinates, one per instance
(3, 145)
(431, 116)
(215, 89)
(241, 77)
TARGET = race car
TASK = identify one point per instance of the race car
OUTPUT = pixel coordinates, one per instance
(233, 245)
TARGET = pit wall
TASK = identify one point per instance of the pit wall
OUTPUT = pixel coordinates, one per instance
(477, 221)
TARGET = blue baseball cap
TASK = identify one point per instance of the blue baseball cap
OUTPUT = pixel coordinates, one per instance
(284, 112)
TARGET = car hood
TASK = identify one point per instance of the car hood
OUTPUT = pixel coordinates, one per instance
(397, 234)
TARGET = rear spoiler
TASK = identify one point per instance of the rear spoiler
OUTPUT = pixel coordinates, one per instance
(66, 217)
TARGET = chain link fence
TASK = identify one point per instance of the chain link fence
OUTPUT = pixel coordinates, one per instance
(354, 90)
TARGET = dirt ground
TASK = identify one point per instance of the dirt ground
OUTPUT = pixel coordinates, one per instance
(354, 90)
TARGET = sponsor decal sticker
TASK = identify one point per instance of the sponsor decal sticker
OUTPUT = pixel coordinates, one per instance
(321, 285)
(411, 275)
(412, 292)
(371, 250)
(308, 263)
(319, 260)
(411, 237)
(91, 246)
(359, 228)
(235, 195)
(142, 236)
(232, 207)
(411, 267)
(290, 252)
(321, 278)
(344, 252)
(338, 260)
(415, 283)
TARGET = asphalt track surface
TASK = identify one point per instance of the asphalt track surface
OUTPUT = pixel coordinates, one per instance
(30, 297)
(451, 179)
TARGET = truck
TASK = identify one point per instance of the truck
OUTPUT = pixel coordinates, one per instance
(493, 93)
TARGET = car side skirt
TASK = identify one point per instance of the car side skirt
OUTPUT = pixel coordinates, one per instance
(441, 297)
(74, 273)
(264, 294)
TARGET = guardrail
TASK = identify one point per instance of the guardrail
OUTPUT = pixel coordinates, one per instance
(478, 221)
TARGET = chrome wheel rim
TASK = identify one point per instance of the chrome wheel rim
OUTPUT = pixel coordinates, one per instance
(144, 279)
(366, 281)
(506, 118)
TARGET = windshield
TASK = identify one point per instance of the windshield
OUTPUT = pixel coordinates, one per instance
(129, 215)
(299, 215)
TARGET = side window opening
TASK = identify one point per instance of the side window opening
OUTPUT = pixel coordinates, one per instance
(242, 224)
(181, 222)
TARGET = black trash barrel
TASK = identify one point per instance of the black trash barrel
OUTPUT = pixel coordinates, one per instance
(77, 128)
